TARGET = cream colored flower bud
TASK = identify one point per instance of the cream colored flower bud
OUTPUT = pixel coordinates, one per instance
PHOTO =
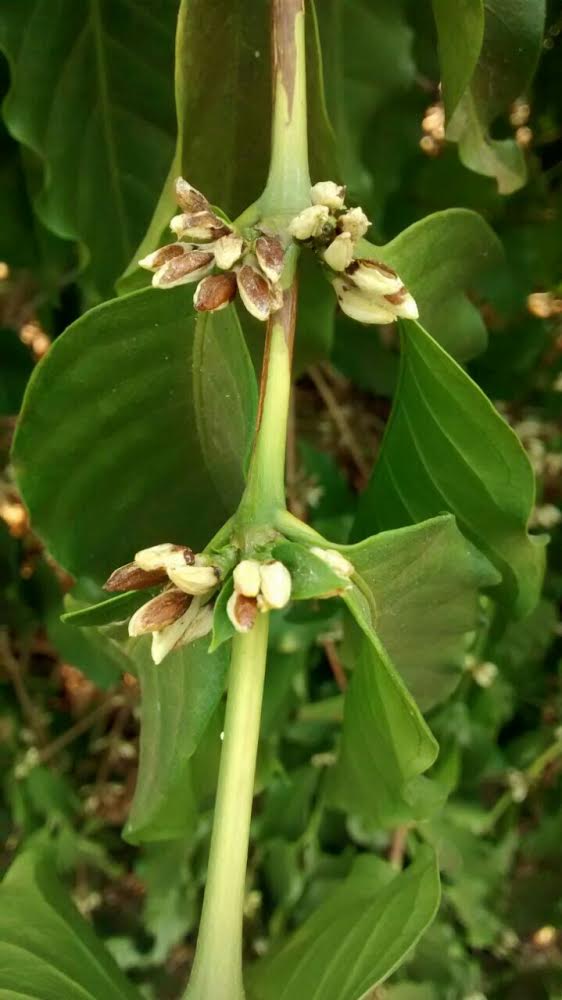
(195, 623)
(485, 673)
(255, 292)
(184, 270)
(360, 306)
(242, 611)
(132, 577)
(270, 254)
(199, 226)
(159, 612)
(161, 556)
(518, 785)
(194, 579)
(374, 277)
(189, 198)
(157, 259)
(276, 584)
(354, 222)
(403, 304)
(339, 254)
(328, 193)
(228, 250)
(215, 292)
(310, 222)
(247, 578)
(334, 560)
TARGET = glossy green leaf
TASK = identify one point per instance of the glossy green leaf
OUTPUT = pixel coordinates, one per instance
(385, 743)
(447, 448)
(178, 699)
(356, 938)
(423, 583)
(488, 54)
(112, 462)
(91, 85)
(47, 950)
(115, 609)
(439, 258)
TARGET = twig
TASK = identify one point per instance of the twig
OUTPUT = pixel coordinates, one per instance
(340, 420)
(115, 735)
(80, 727)
(336, 666)
(398, 846)
(531, 775)
(28, 709)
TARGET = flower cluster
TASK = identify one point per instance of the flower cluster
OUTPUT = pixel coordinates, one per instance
(249, 264)
(258, 586)
(368, 291)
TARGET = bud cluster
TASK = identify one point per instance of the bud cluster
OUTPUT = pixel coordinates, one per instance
(258, 586)
(368, 291)
(249, 264)
(181, 612)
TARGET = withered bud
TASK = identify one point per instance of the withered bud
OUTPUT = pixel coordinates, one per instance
(215, 292)
(228, 250)
(270, 254)
(360, 306)
(161, 556)
(403, 304)
(328, 193)
(255, 292)
(242, 611)
(160, 612)
(164, 254)
(196, 622)
(189, 198)
(183, 270)
(132, 577)
(199, 226)
(354, 222)
(374, 276)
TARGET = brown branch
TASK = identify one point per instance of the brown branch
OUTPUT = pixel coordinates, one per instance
(340, 420)
(28, 709)
(336, 665)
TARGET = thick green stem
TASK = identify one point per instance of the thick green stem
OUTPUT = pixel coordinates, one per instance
(217, 972)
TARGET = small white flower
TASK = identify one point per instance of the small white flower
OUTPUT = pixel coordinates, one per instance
(164, 555)
(485, 673)
(328, 193)
(354, 222)
(310, 222)
(228, 250)
(374, 277)
(403, 304)
(276, 585)
(194, 579)
(546, 516)
(518, 785)
(334, 560)
(247, 580)
(339, 254)
(195, 623)
(361, 307)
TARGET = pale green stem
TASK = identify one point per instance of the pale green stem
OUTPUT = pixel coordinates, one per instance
(217, 971)
(531, 775)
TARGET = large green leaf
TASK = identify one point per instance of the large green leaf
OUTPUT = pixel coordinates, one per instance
(447, 448)
(92, 97)
(385, 743)
(488, 52)
(423, 584)
(107, 453)
(179, 698)
(356, 938)
(47, 950)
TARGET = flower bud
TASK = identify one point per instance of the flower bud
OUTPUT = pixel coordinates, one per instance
(183, 270)
(196, 622)
(354, 222)
(194, 579)
(403, 304)
(339, 254)
(276, 585)
(247, 580)
(242, 611)
(215, 292)
(199, 226)
(159, 612)
(189, 198)
(255, 292)
(161, 556)
(270, 254)
(485, 673)
(310, 222)
(228, 250)
(518, 785)
(334, 560)
(374, 277)
(360, 306)
(328, 193)
(132, 577)
(153, 261)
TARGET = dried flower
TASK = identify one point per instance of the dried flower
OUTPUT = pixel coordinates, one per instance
(183, 270)
(160, 612)
(132, 577)
(228, 249)
(373, 276)
(359, 306)
(403, 304)
(194, 579)
(215, 292)
(270, 255)
(339, 254)
(328, 193)
(247, 579)
(310, 222)
(153, 261)
(354, 222)
(255, 292)
(196, 622)
(242, 611)
(189, 198)
(199, 226)
(334, 560)
(276, 585)
(164, 555)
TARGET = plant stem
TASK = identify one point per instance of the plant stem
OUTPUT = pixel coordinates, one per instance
(217, 972)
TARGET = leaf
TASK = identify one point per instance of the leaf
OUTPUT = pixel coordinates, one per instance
(120, 431)
(310, 575)
(439, 258)
(447, 448)
(356, 938)
(178, 699)
(47, 950)
(115, 609)
(423, 582)
(385, 743)
(91, 96)
(488, 53)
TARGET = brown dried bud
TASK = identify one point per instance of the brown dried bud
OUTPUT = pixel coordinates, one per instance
(182, 270)
(132, 577)
(161, 256)
(189, 198)
(198, 226)
(159, 612)
(255, 292)
(215, 292)
(270, 254)
(242, 611)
